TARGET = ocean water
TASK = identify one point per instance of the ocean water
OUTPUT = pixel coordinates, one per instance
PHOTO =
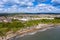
(50, 34)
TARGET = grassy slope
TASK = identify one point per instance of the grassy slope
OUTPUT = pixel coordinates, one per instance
(16, 25)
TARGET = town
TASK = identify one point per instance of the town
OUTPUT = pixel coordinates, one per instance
(27, 17)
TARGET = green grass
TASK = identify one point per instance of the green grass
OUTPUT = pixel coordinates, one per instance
(16, 25)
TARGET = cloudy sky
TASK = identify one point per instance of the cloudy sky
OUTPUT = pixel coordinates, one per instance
(30, 6)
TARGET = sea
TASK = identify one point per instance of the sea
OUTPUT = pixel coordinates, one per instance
(45, 34)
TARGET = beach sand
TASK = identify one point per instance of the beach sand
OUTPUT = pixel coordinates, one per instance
(24, 31)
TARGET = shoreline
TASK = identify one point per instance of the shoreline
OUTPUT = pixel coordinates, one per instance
(30, 30)
(23, 32)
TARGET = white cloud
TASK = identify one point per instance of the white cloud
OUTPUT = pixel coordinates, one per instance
(30, 3)
(1, 6)
(58, 1)
(39, 8)
(30, 8)
(42, 8)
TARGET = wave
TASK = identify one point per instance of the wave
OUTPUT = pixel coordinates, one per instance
(32, 33)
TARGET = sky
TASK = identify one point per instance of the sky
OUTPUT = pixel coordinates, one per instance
(29, 6)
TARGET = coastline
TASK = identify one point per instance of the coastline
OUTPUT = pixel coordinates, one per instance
(28, 30)
(41, 27)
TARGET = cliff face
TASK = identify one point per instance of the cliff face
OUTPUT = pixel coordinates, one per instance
(10, 34)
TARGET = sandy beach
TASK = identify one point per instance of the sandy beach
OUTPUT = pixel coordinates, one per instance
(24, 31)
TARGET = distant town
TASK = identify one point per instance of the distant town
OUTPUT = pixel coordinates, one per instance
(26, 17)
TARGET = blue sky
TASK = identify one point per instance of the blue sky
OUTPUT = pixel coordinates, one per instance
(29, 6)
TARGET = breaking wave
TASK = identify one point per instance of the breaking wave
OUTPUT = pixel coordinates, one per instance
(32, 33)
